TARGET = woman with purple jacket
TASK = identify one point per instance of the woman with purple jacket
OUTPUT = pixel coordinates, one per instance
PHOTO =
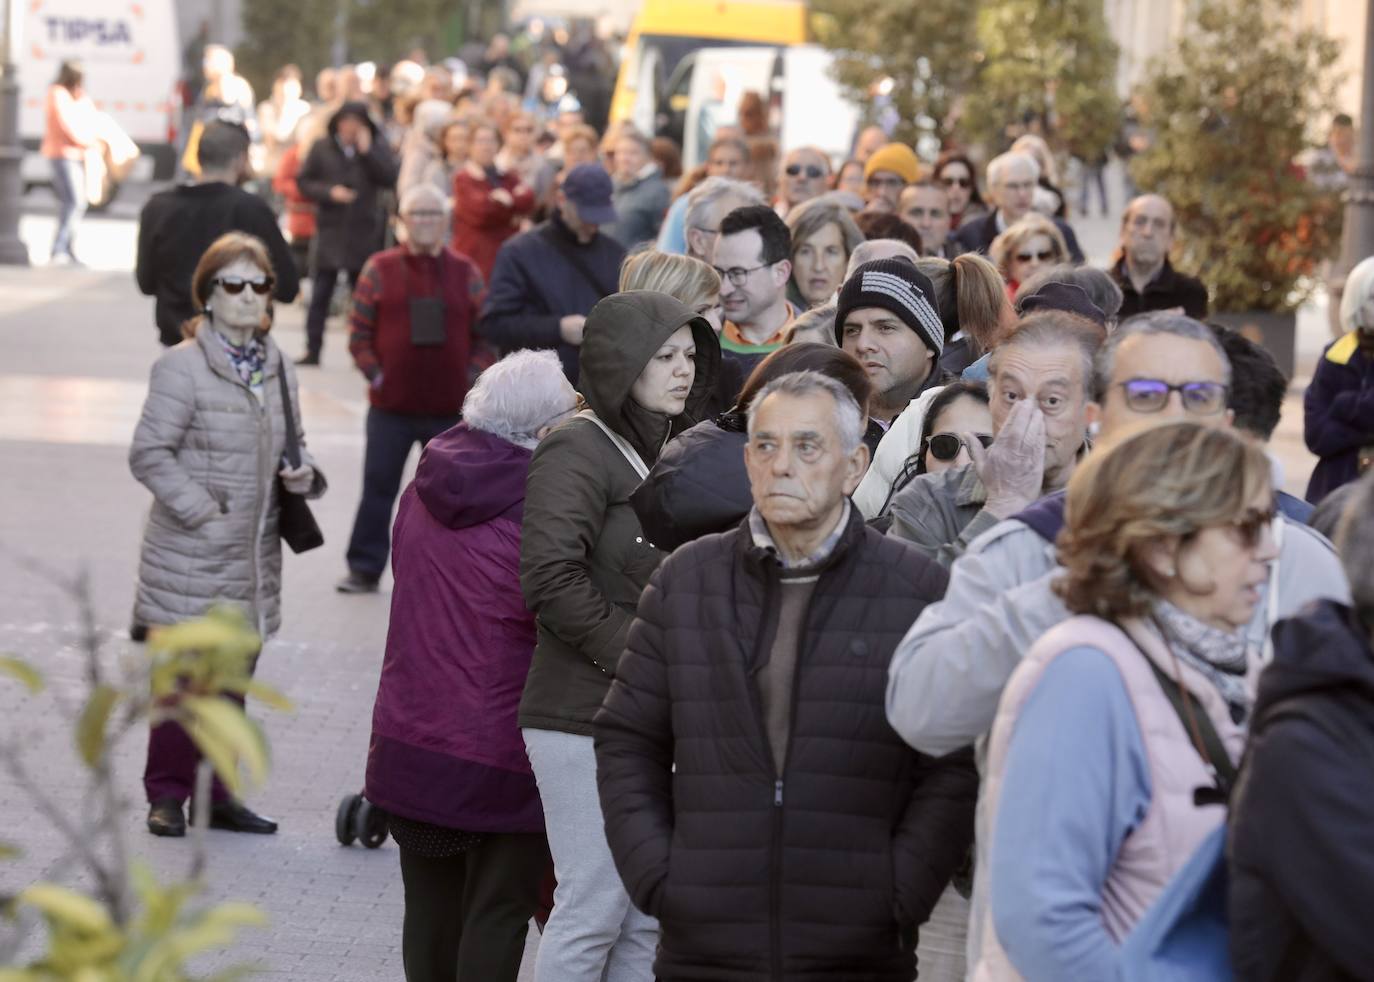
(447, 762)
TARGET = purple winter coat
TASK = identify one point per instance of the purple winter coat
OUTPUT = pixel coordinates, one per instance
(445, 745)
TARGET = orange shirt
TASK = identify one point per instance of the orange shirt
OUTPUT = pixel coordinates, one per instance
(730, 333)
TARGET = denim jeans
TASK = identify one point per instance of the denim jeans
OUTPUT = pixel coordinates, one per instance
(389, 439)
(69, 185)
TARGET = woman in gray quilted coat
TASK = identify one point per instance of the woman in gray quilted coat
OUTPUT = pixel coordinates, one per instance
(210, 447)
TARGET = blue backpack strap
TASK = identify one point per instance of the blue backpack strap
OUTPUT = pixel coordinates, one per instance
(1045, 517)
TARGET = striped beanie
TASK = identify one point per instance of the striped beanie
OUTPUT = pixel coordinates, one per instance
(898, 286)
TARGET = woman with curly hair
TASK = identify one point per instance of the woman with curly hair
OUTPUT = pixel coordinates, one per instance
(1116, 738)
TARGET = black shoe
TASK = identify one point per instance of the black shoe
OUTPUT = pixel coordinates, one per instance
(234, 816)
(309, 358)
(356, 582)
(165, 817)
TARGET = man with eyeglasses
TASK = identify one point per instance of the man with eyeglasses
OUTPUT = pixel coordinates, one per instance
(751, 256)
(707, 205)
(1012, 180)
(886, 173)
(948, 672)
(1147, 279)
(805, 174)
(177, 226)
(410, 329)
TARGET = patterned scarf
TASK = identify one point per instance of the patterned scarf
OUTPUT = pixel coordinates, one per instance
(249, 360)
(1219, 655)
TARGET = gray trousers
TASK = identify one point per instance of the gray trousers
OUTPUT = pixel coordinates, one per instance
(594, 934)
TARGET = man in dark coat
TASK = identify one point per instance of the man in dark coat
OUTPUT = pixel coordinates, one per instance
(344, 173)
(177, 226)
(756, 800)
(1012, 181)
(548, 279)
(1147, 279)
(1301, 840)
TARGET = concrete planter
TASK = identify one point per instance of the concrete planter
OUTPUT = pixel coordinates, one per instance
(1277, 332)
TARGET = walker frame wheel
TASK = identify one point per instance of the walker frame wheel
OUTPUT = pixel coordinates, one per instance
(369, 824)
(343, 819)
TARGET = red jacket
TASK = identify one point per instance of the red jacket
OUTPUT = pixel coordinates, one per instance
(409, 378)
(480, 224)
(300, 210)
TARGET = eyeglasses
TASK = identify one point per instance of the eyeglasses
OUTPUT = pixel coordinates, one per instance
(885, 182)
(946, 446)
(233, 285)
(1253, 525)
(739, 274)
(1148, 395)
(812, 171)
(957, 182)
(1040, 257)
(426, 213)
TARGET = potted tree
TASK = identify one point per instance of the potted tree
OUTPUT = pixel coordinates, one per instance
(1229, 110)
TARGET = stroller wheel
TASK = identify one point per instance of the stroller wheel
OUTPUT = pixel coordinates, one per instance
(343, 819)
(369, 824)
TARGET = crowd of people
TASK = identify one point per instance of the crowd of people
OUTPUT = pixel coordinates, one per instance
(746, 509)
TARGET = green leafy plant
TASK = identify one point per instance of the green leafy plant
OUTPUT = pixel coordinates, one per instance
(1228, 110)
(129, 927)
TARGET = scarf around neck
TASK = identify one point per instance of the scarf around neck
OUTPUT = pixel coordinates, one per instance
(249, 360)
(1221, 656)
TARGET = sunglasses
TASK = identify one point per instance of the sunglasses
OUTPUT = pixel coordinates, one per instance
(1252, 526)
(1148, 395)
(812, 171)
(946, 446)
(1043, 257)
(233, 285)
(956, 182)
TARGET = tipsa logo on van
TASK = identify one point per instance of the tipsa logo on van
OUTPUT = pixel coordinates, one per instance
(59, 31)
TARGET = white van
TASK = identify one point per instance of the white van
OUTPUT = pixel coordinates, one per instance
(806, 107)
(131, 57)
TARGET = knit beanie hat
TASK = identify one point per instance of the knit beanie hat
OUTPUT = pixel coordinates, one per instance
(898, 158)
(898, 286)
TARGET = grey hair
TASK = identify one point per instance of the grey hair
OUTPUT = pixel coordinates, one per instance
(706, 194)
(810, 217)
(1354, 542)
(424, 190)
(1096, 283)
(849, 418)
(879, 249)
(998, 166)
(818, 320)
(519, 395)
(1154, 322)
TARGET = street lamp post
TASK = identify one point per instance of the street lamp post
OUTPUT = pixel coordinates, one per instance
(12, 249)
(1358, 241)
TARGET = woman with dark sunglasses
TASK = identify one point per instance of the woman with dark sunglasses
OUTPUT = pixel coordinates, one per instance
(1117, 737)
(1028, 245)
(212, 447)
(956, 172)
(959, 412)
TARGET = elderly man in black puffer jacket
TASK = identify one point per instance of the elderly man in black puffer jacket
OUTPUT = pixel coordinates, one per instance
(756, 800)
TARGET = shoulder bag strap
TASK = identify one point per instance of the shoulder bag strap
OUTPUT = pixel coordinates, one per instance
(1199, 726)
(293, 445)
(577, 261)
(620, 443)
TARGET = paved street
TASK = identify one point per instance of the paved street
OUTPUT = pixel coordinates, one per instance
(79, 343)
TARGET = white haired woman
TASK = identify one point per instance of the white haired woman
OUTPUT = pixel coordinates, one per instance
(447, 762)
(211, 446)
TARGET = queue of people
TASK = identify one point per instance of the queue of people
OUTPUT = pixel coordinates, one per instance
(753, 526)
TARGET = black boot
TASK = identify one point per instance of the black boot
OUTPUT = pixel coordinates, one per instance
(234, 816)
(166, 818)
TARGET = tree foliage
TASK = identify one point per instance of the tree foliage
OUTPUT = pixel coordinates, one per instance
(976, 66)
(1040, 55)
(1228, 110)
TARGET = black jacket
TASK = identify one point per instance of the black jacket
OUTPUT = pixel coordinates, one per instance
(977, 236)
(826, 872)
(175, 229)
(698, 485)
(583, 557)
(346, 234)
(1301, 843)
(534, 285)
(1169, 288)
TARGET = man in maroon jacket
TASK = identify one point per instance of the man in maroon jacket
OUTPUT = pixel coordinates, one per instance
(411, 337)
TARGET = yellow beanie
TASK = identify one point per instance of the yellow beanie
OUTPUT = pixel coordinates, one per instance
(898, 158)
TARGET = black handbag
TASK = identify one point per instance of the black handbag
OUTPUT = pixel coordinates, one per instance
(295, 523)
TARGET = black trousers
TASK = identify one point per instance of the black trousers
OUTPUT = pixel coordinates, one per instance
(389, 439)
(320, 298)
(467, 916)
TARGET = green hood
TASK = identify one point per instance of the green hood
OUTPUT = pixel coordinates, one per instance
(623, 332)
